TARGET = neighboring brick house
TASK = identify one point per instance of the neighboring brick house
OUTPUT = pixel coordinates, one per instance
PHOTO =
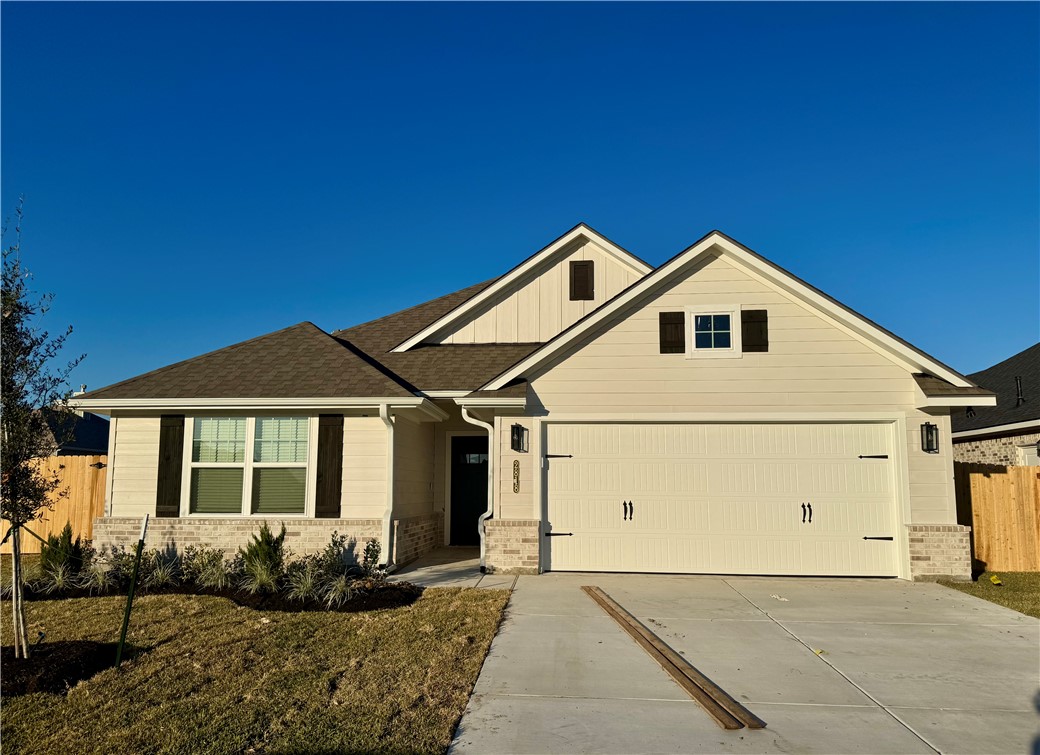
(1008, 433)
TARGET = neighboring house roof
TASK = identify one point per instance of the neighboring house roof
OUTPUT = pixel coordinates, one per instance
(83, 434)
(717, 242)
(1000, 378)
(301, 361)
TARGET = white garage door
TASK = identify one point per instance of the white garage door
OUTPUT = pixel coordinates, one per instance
(721, 498)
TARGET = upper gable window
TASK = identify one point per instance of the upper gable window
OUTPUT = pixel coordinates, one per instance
(583, 279)
(715, 332)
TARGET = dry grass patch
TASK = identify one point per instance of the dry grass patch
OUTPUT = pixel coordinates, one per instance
(214, 677)
(1019, 591)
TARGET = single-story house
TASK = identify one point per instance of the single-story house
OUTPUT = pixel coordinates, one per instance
(585, 411)
(1008, 433)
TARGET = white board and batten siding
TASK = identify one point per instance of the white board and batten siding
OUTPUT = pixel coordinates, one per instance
(741, 498)
(540, 307)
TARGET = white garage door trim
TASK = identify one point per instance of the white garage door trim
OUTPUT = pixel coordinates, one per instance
(897, 422)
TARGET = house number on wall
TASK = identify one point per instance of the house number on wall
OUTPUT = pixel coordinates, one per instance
(516, 476)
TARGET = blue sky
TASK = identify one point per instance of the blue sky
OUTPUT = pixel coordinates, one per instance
(196, 174)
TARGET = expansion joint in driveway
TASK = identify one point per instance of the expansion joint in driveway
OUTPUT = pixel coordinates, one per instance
(836, 670)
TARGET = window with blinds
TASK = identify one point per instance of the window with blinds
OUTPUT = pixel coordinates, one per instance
(263, 460)
(280, 465)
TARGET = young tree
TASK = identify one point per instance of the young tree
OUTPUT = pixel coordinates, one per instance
(29, 384)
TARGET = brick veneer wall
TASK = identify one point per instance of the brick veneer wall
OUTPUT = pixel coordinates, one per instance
(417, 535)
(993, 450)
(940, 551)
(302, 536)
(511, 545)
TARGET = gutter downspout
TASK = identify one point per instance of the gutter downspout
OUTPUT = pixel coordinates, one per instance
(388, 517)
(491, 481)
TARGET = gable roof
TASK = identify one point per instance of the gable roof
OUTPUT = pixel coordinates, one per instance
(1000, 378)
(719, 243)
(301, 361)
(431, 367)
(532, 263)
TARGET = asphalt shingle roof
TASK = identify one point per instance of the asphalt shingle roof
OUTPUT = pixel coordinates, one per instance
(301, 361)
(1000, 378)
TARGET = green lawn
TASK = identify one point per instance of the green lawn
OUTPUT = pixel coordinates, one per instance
(1019, 591)
(214, 677)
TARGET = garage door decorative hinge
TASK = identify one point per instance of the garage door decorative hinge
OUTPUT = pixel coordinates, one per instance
(867, 537)
(873, 456)
(559, 456)
(559, 534)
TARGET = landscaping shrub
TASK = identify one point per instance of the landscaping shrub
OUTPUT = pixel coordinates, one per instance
(62, 550)
(207, 568)
(370, 562)
(158, 570)
(98, 577)
(263, 561)
(337, 591)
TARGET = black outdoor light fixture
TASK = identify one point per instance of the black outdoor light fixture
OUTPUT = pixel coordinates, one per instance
(930, 438)
(518, 438)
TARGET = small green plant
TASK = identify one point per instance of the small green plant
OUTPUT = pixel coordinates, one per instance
(97, 577)
(62, 550)
(303, 580)
(56, 578)
(207, 568)
(337, 591)
(370, 561)
(158, 570)
(263, 561)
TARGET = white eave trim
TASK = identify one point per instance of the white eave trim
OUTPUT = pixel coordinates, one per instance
(716, 242)
(927, 402)
(581, 231)
(485, 402)
(998, 429)
(208, 404)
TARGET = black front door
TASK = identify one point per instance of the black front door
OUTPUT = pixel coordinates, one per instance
(469, 487)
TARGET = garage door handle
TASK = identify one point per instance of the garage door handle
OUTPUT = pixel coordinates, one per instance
(624, 511)
(559, 534)
(810, 513)
(803, 513)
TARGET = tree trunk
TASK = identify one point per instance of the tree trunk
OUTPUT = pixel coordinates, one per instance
(21, 638)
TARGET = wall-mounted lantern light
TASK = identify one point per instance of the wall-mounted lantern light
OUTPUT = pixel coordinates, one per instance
(930, 438)
(518, 438)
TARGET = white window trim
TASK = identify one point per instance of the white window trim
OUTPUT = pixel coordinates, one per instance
(736, 346)
(247, 467)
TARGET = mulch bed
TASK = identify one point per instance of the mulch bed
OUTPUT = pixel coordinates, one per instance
(371, 596)
(54, 667)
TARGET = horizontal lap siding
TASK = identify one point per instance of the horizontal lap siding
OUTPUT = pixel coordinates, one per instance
(811, 365)
(541, 307)
(512, 505)
(364, 467)
(134, 466)
(413, 468)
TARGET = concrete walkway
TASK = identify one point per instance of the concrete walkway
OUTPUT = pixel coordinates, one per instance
(833, 666)
(453, 567)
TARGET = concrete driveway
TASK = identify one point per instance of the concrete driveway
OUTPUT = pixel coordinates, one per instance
(832, 666)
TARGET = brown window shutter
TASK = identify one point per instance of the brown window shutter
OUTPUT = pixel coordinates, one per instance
(582, 280)
(754, 330)
(330, 466)
(171, 458)
(673, 332)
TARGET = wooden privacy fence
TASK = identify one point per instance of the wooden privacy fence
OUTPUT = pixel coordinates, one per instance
(1002, 506)
(85, 482)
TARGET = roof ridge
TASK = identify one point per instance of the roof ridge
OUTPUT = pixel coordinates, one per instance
(482, 286)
